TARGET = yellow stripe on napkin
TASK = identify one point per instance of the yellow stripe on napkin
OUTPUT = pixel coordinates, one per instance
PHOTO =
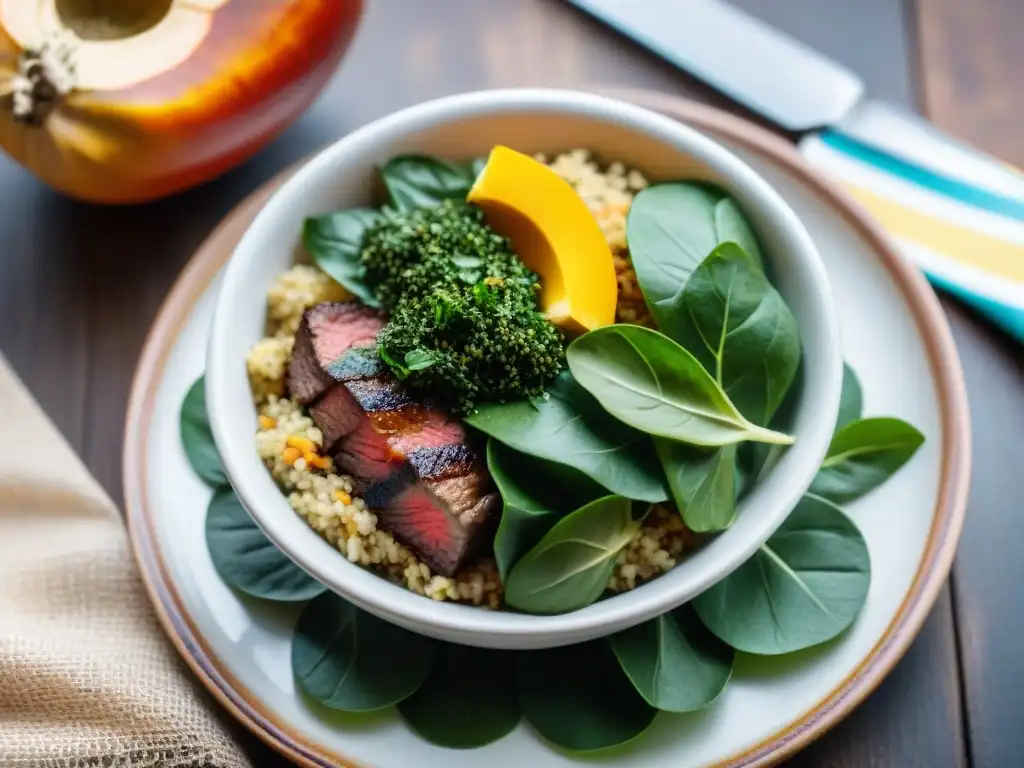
(967, 246)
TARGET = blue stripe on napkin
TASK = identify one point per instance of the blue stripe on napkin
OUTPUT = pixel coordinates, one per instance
(943, 185)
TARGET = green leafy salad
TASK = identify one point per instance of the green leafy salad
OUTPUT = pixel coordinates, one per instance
(585, 438)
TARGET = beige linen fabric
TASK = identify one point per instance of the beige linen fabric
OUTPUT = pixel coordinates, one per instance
(86, 677)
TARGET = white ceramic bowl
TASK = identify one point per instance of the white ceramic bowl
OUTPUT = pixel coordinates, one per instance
(459, 127)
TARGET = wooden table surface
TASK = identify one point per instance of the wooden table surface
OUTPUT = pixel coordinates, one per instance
(80, 284)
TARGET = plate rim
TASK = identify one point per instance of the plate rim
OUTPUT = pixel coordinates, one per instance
(928, 580)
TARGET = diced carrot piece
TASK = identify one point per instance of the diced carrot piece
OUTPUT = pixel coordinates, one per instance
(304, 444)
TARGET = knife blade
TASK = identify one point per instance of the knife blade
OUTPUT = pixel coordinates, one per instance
(701, 37)
(954, 210)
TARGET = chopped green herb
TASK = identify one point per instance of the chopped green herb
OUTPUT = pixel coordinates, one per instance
(481, 343)
(464, 322)
(412, 254)
(398, 368)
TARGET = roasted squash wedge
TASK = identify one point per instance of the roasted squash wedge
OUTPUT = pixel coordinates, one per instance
(555, 235)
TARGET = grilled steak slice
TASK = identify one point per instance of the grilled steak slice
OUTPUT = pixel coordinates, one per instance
(324, 348)
(441, 462)
(422, 518)
(357, 416)
(447, 510)
(413, 463)
(415, 466)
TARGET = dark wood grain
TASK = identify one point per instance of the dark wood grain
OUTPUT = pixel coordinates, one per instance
(971, 59)
(988, 570)
(79, 286)
(43, 304)
(913, 719)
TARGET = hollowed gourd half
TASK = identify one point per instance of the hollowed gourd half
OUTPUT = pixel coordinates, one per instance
(129, 100)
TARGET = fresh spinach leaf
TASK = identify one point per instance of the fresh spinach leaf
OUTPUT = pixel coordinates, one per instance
(197, 439)
(247, 560)
(348, 659)
(570, 566)
(742, 481)
(569, 427)
(863, 455)
(477, 165)
(673, 661)
(703, 483)
(535, 494)
(671, 228)
(578, 698)
(421, 181)
(754, 459)
(851, 401)
(334, 242)
(732, 227)
(740, 329)
(468, 701)
(648, 381)
(803, 587)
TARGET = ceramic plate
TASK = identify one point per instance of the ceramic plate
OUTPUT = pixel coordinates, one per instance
(894, 335)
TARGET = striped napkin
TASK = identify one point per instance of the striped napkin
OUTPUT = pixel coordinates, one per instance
(957, 215)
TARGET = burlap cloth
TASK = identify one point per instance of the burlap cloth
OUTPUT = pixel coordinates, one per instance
(86, 677)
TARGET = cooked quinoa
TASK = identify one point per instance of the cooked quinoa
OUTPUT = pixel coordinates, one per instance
(294, 290)
(289, 443)
(654, 549)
